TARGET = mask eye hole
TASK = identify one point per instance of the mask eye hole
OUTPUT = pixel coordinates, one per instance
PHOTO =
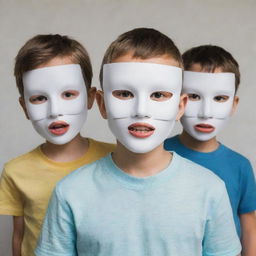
(161, 96)
(221, 98)
(38, 99)
(122, 94)
(70, 95)
(193, 97)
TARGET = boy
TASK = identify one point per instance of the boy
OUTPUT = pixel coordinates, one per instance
(211, 80)
(141, 200)
(53, 75)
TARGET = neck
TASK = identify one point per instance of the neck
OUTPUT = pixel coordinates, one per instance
(70, 151)
(141, 165)
(201, 146)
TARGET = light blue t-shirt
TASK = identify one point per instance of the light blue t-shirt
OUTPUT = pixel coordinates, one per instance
(234, 169)
(99, 210)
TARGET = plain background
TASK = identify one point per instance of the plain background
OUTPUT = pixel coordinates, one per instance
(96, 23)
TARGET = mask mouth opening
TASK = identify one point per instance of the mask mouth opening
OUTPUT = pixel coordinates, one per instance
(205, 128)
(58, 128)
(141, 126)
(141, 130)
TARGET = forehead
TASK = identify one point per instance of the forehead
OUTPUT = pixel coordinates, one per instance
(209, 82)
(141, 75)
(50, 77)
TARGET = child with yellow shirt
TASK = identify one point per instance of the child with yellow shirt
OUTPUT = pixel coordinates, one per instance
(53, 74)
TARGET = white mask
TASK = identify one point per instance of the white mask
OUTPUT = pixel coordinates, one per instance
(210, 103)
(56, 101)
(141, 122)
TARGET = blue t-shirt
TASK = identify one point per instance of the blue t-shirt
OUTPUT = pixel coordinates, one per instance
(234, 169)
(99, 210)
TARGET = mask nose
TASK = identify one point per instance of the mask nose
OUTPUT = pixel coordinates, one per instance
(142, 108)
(205, 109)
(54, 109)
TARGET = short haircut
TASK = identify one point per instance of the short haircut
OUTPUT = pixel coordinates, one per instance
(43, 48)
(211, 57)
(143, 43)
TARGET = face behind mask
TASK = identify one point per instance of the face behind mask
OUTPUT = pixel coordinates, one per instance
(56, 101)
(142, 102)
(210, 103)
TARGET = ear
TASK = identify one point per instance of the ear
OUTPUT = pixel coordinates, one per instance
(182, 105)
(234, 106)
(23, 105)
(91, 97)
(101, 104)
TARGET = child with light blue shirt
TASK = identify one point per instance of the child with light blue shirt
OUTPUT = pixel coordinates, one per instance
(211, 79)
(140, 200)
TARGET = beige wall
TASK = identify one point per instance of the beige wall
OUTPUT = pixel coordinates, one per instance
(230, 24)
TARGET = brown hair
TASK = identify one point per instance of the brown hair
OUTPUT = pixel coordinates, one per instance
(210, 57)
(43, 48)
(144, 43)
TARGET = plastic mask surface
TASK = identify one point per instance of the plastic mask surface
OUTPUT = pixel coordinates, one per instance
(210, 103)
(142, 102)
(56, 101)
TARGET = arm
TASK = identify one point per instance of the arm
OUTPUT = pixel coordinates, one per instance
(58, 234)
(248, 228)
(246, 210)
(17, 236)
(11, 204)
(220, 238)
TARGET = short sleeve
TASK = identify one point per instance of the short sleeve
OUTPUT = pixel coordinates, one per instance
(248, 194)
(11, 202)
(220, 234)
(58, 235)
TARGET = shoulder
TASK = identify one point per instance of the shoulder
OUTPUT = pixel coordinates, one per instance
(235, 157)
(18, 163)
(199, 175)
(234, 154)
(81, 178)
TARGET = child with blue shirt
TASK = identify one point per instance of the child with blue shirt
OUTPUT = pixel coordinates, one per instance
(140, 200)
(211, 79)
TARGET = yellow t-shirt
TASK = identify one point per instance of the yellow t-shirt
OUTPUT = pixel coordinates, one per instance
(27, 182)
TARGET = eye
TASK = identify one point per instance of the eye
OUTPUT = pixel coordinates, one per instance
(193, 97)
(221, 98)
(70, 94)
(38, 99)
(122, 94)
(160, 96)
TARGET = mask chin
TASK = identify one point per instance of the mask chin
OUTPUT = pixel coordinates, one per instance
(189, 125)
(75, 124)
(119, 128)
